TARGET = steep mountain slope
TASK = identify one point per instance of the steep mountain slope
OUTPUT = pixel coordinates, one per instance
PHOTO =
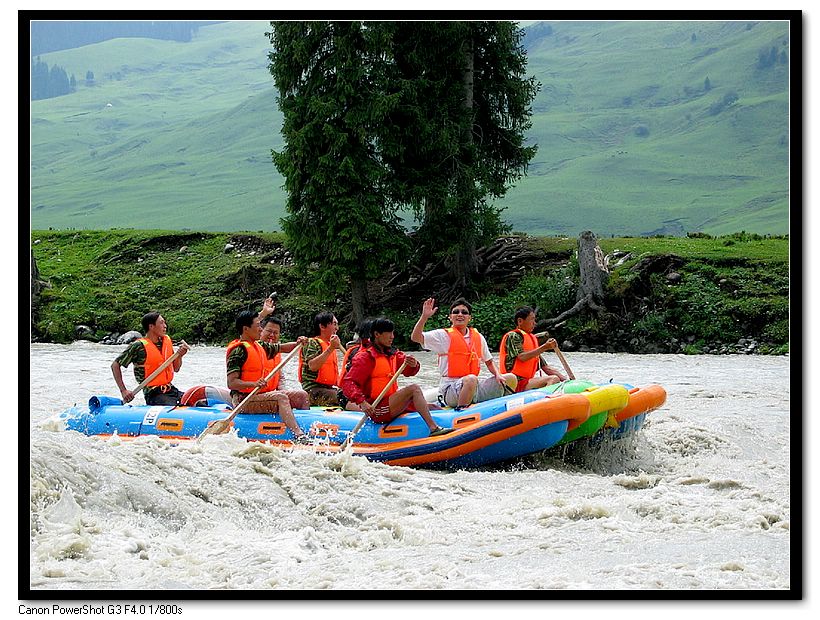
(632, 139)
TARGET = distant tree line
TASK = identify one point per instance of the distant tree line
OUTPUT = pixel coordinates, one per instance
(767, 58)
(47, 83)
(48, 36)
(718, 106)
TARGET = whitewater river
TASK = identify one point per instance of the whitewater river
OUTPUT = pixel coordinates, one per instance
(698, 500)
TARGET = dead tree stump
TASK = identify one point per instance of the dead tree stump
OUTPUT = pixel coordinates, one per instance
(594, 276)
(37, 284)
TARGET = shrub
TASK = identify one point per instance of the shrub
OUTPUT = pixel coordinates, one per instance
(652, 327)
(549, 295)
(777, 332)
(718, 106)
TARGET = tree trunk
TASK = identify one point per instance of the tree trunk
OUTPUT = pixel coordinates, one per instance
(35, 279)
(463, 267)
(594, 275)
(594, 272)
(468, 77)
(359, 299)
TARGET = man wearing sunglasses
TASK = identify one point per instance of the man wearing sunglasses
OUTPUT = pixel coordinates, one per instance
(460, 348)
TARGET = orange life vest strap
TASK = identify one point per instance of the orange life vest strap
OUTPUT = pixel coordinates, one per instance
(383, 372)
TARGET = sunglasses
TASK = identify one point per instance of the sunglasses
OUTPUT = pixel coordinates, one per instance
(467, 312)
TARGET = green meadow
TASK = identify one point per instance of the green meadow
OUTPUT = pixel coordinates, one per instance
(630, 140)
(728, 288)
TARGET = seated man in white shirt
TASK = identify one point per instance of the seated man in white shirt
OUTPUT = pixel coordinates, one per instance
(460, 349)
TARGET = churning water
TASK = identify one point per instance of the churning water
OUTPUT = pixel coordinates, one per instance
(699, 499)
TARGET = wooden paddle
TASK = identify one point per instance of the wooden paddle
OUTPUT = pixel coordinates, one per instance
(360, 423)
(560, 355)
(159, 369)
(564, 363)
(220, 426)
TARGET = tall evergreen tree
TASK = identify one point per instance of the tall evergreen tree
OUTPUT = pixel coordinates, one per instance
(39, 79)
(339, 216)
(457, 138)
(58, 82)
(390, 114)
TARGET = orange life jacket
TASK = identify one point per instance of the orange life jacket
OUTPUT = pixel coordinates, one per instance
(329, 371)
(520, 369)
(270, 364)
(154, 359)
(254, 367)
(383, 371)
(462, 359)
(347, 360)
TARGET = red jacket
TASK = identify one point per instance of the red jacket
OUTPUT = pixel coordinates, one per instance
(356, 382)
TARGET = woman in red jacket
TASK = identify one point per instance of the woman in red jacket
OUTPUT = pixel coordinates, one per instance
(371, 370)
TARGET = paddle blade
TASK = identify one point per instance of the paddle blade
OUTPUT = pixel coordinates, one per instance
(217, 427)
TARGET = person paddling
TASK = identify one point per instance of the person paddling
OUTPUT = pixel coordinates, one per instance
(319, 362)
(245, 362)
(520, 353)
(372, 369)
(147, 354)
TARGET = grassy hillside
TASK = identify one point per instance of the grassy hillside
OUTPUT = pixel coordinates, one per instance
(185, 142)
(723, 290)
(630, 142)
(629, 138)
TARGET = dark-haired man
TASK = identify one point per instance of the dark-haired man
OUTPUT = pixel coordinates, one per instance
(271, 332)
(520, 353)
(372, 369)
(460, 348)
(319, 362)
(147, 354)
(245, 362)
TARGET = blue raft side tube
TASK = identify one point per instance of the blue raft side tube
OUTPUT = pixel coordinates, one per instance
(95, 403)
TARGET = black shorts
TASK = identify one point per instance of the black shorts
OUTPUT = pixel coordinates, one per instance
(342, 398)
(156, 396)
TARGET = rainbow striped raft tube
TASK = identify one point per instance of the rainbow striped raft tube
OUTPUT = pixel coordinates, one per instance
(485, 433)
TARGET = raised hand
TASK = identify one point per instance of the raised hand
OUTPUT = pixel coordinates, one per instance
(429, 308)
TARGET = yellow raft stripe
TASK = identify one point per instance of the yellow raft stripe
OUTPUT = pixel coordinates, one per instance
(610, 398)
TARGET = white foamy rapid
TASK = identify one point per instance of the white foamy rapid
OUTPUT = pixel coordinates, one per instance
(699, 499)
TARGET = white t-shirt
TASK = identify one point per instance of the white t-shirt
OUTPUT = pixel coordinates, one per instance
(438, 341)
